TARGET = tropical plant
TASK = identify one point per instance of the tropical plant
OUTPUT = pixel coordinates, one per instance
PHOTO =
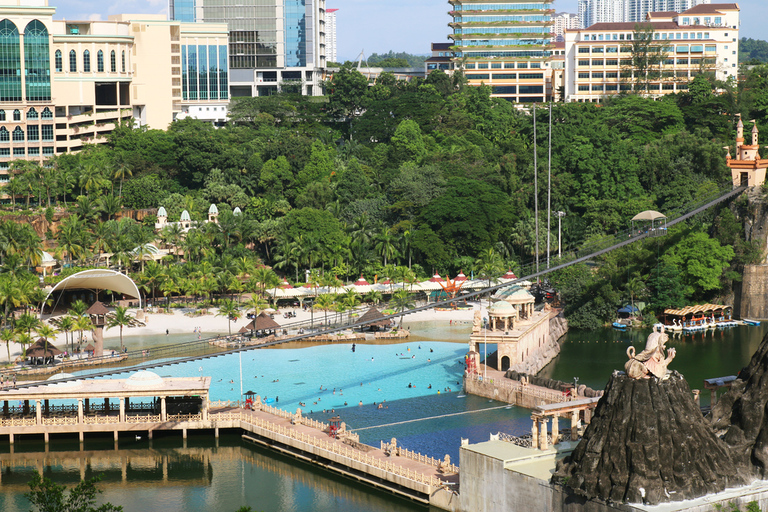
(120, 319)
(230, 309)
(402, 300)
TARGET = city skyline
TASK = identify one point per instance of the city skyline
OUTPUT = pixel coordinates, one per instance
(375, 26)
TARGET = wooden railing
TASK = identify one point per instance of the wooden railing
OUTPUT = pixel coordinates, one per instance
(347, 452)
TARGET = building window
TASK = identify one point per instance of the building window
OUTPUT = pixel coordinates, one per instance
(72, 61)
(17, 115)
(496, 65)
(18, 134)
(47, 130)
(223, 76)
(47, 151)
(504, 89)
(584, 88)
(4, 135)
(46, 114)
(202, 71)
(87, 61)
(123, 61)
(59, 64)
(34, 151)
(2, 115)
(10, 62)
(18, 152)
(32, 113)
(112, 61)
(584, 49)
(482, 65)
(33, 133)
(100, 61)
(584, 75)
(213, 72)
(5, 151)
(37, 62)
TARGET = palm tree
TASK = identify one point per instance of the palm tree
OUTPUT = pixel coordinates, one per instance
(8, 336)
(66, 324)
(402, 300)
(27, 322)
(373, 296)
(121, 171)
(489, 266)
(230, 309)
(46, 331)
(24, 339)
(351, 301)
(120, 319)
(257, 304)
(634, 287)
(78, 308)
(325, 302)
(109, 205)
(82, 323)
(385, 246)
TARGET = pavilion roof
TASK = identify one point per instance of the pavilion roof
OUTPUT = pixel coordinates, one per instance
(374, 316)
(694, 309)
(262, 323)
(97, 308)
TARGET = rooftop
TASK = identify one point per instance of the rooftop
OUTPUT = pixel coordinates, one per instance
(711, 8)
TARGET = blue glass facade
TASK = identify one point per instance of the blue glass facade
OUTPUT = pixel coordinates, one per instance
(295, 33)
(204, 72)
(10, 62)
(182, 10)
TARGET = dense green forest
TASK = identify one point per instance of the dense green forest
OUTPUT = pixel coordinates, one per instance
(753, 51)
(431, 176)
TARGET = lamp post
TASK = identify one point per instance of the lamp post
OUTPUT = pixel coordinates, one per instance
(485, 353)
(560, 216)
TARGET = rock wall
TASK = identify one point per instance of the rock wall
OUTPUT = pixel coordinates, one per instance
(741, 417)
(541, 357)
(648, 443)
(751, 296)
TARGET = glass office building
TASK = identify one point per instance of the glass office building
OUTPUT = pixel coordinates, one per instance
(504, 45)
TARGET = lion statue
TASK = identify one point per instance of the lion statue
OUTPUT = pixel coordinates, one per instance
(652, 360)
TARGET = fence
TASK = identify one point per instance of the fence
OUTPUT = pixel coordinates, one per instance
(347, 452)
(424, 459)
(524, 392)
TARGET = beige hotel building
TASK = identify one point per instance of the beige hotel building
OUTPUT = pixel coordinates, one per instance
(66, 83)
(705, 38)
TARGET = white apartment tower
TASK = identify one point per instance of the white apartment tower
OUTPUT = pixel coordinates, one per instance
(562, 22)
(617, 11)
(330, 35)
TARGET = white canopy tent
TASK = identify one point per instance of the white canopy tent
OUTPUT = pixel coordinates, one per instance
(96, 280)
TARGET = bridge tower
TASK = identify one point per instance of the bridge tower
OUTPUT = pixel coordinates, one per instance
(748, 168)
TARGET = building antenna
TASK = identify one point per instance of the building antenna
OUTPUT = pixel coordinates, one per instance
(549, 183)
(536, 188)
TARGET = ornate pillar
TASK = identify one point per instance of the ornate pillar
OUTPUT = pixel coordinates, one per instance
(204, 408)
(555, 429)
(79, 410)
(574, 425)
(163, 413)
(122, 409)
(535, 432)
(38, 412)
(543, 443)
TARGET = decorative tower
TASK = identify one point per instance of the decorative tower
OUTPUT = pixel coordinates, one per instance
(213, 213)
(748, 168)
(162, 218)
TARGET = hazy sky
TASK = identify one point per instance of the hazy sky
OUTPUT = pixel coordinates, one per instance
(376, 26)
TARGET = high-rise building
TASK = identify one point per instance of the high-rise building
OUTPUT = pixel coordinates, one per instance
(67, 83)
(330, 35)
(601, 11)
(274, 44)
(505, 45)
(617, 11)
(563, 21)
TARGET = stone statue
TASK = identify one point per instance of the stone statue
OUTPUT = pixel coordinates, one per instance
(478, 321)
(652, 360)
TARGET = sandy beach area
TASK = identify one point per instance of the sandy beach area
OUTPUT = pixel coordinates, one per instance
(180, 323)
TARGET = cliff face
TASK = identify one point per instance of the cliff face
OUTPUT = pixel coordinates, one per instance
(741, 415)
(750, 296)
(648, 443)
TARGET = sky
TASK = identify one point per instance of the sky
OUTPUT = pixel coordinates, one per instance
(377, 26)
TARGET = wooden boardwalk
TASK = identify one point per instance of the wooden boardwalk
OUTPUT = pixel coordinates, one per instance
(397, 470)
